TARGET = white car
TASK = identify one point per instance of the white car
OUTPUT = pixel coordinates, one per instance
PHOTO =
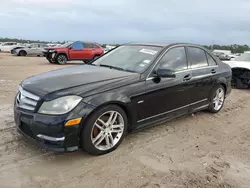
(33, 49)
(6, 46)
(240, 71)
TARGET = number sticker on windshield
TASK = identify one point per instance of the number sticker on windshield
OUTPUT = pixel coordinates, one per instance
(147, 51)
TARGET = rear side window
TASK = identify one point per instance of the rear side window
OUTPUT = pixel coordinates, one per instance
(174, 59)
(89, 45)
(77, 46)
(210, 60)
(197, 57)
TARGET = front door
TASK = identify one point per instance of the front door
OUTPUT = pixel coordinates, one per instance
(79, 52)
(167, 97)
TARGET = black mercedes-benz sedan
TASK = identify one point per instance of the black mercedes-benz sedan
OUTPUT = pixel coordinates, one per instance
(133, 86)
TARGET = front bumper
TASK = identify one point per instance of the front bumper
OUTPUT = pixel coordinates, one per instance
(48, 131)
(49, 55)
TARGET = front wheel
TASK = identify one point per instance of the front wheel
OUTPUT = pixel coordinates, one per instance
(217, 99)
(104, 130)
(61, 59)
(22, 53)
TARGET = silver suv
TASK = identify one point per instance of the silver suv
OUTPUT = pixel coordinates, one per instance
(33, 49)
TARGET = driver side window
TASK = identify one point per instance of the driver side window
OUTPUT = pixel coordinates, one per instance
(77, 46)
(175, 59)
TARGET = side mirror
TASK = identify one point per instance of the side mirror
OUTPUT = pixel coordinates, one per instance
(70, 48)
(165, 73)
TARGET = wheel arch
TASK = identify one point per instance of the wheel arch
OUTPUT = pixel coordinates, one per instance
(22, 50)
(221, 81)
(120, 104)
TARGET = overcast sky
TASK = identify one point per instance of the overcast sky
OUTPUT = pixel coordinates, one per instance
(118, 21)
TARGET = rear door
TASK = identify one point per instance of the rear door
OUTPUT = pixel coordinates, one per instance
(203, 75)
(89, 50)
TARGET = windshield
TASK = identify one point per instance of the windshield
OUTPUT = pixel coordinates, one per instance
(243, 57)
(129, 58)
(66, 44)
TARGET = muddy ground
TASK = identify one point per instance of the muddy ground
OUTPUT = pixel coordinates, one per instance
(203, 150)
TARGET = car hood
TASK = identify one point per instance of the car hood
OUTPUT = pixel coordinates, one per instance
(238, 64)
(83, 80)
(55, 48)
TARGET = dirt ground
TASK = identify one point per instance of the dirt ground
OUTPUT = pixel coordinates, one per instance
(199, 151)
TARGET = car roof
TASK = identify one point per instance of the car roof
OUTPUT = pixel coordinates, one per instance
(163, 44)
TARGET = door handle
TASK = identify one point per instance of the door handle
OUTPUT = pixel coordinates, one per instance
(213, 71)
(187, 77)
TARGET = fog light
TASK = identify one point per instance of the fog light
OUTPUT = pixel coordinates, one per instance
(73, 122)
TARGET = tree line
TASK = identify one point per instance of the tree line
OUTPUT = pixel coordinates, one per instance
(234, 48)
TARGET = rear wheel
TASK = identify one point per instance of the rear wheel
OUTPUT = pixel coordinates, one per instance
(22, 53)
(61, 59)
(217, 99)
(104, 130)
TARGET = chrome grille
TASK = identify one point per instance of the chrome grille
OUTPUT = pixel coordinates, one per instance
(26, 100)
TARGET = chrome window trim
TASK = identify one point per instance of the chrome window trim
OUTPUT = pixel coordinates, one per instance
(171, 110)
(188, 68)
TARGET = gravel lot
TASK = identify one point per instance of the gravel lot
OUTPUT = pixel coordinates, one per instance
(203, 150)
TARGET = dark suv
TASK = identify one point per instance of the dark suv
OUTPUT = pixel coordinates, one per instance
(85, 51)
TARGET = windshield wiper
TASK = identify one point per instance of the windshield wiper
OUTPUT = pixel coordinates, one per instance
(111, 67)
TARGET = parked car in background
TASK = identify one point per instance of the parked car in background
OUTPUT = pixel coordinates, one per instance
(6, 46)
(240, 71)
(53, 45)
(222, 56)
(105, 50)
(134, 86)
(33, 49)
(85, 51)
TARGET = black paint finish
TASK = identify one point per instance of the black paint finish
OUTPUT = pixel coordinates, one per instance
(146, 98)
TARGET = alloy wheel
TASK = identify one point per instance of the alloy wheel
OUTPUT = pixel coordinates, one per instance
(61, 59)
(218, 99)
(107, 130)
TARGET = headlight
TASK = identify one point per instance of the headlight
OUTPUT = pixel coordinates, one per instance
(52, 50)
(61, 105)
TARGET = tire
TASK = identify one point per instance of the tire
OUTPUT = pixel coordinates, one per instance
(217, 99)
(22, 53)
(61, 59)
(91, 134)
(52, 62)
